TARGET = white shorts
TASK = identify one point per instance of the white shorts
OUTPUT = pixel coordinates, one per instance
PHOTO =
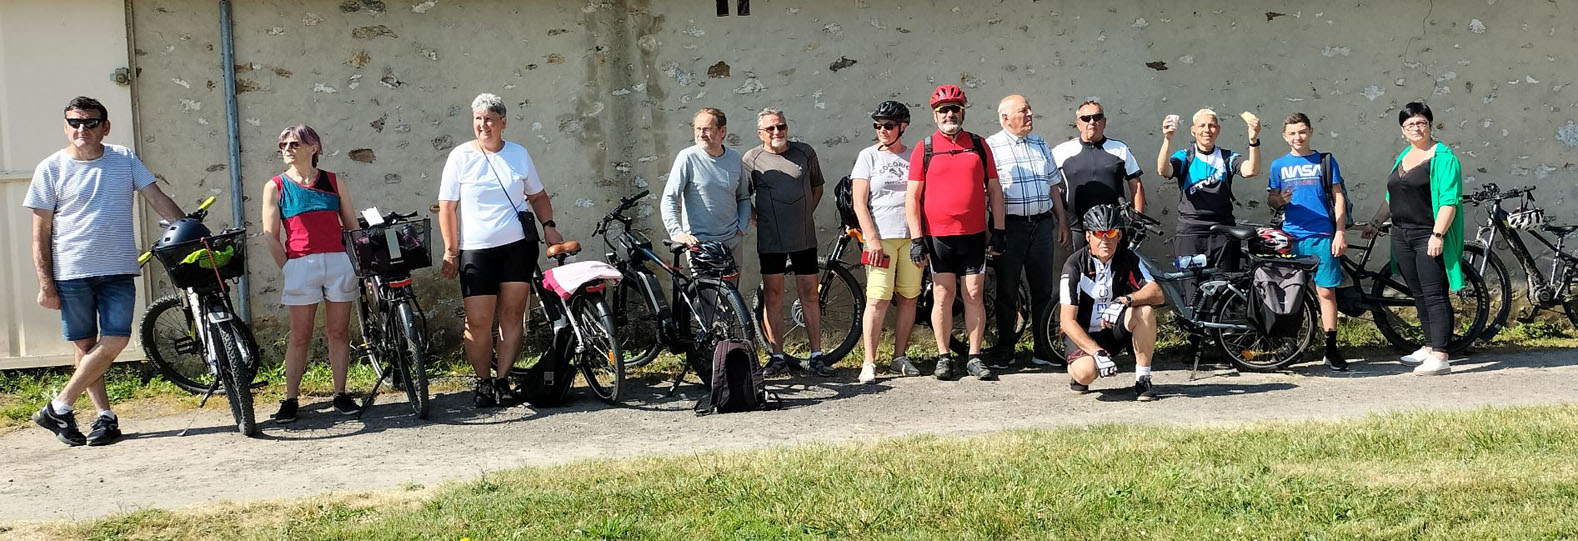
(314, 278)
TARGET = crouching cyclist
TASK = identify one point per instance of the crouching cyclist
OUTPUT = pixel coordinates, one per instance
(1108, 306)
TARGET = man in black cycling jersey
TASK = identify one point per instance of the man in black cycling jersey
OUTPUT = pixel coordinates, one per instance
(1108, 302)
(1094, 169)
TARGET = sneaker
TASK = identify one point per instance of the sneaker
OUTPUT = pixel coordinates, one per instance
(944, 370)
(346, 405)
(1433, 367)
(903, 367)
(1000, 359)
(1335, 362)
(1143, 390)
(504, 394)
(106, 429)
(868, 373)
(63, 425)
(1415, 358)
(818, 365)
(287, 411)
(1047, 364)
(482, 394)
(978, 370)
(1077, 387)
(777, 365)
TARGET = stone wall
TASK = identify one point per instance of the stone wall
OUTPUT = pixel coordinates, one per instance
(601, 92)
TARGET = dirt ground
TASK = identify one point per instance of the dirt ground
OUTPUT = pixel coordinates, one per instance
(322, 452)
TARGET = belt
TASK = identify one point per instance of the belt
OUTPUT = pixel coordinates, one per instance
(1031, 218)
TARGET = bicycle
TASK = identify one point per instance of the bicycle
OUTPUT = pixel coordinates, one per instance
(1391, 303)
(1543, 293)
(574, 331)
(842, 301)
(194, 337)
(702, 307)
(394, 327)
(959, 340)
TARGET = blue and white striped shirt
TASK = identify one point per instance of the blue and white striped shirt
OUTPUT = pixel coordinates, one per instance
(1026, 171)
(93, 203)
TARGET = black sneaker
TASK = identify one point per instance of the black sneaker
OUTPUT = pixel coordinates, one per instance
(287, 412)
(1143, 390)
(777, 365)
(504, 393)
(818, 365)
(64, 426)
(1335, 362)
(482, 394)
(1077, 387)
(944, 370)
(106, 429)
(978, 370)
(346, 405)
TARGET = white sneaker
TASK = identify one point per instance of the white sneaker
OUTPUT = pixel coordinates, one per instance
(868, 373)
(1433, 367)
(1415, 358)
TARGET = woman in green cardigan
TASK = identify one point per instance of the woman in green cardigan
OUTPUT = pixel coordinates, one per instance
(1423, 196)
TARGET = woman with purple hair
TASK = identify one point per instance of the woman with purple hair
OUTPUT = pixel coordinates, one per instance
(314, 209)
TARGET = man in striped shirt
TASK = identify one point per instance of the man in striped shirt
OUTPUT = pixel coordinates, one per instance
(85, 255)
(1031, 195)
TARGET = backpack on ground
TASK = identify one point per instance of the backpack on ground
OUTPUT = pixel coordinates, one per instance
(1277, 294)
(735, 383)
(844, 201)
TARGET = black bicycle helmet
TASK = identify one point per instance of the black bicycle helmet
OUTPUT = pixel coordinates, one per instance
(712, 258)
(183, 230)
(891, 110)
(1103, 218)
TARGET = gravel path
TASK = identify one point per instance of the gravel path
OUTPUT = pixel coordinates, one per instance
(324, 452)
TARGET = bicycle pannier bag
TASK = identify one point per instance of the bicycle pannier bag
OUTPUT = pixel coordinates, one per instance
(1277, 299)
(736, 381)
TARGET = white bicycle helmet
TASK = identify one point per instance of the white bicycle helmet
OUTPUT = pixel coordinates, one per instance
(1526, 219)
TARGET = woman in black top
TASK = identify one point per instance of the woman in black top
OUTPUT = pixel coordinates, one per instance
(1423, 193)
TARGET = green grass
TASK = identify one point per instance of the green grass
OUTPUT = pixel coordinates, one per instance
(1484, 474)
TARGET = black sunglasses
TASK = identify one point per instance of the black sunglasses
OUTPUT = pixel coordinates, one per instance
(884, 125)
(88, 123)
(950, 109)
(1093, 118)
(775, 127)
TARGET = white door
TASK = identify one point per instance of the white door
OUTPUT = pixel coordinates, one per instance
(49, 53)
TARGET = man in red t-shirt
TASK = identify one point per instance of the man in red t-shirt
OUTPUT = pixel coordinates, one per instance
(946, 209)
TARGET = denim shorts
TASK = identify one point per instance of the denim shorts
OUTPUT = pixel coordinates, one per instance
(97, 306)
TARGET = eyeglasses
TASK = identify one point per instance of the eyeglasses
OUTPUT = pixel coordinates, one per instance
(1416, 125)
(1106, 234)
(884, 125)
(1093, 118)
(950, 109)
(775, 127)
(291, 145)
(84, 123)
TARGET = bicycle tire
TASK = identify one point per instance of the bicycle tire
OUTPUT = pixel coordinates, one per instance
(959, 339)
(636, 318)
(236, 374)
(599, 357)
(1399, 322)
(170, 341)
(1253, 350)
(836, 287)
(1051, 324)
(1498, 287)
(413, 361)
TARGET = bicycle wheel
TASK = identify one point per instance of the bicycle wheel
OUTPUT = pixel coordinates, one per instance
(412, 359)
(599, 355)
(170, 340)
(1398, 319)
(636, 318)
(236, 374)
(959, 342)
(1051, 324)
(842, 302)
(1498, 286)
(1252, 350)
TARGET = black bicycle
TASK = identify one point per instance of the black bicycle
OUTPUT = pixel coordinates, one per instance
(842, 301)
(569, 332)
(394, 328)
(1545, 291)
(194, 336)
(1384, 294)
(959, 340)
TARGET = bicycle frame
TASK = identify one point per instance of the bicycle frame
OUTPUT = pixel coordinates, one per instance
(1543, 292)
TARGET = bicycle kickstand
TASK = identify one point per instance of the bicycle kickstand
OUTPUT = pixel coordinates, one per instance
(673, 389)
(367, 403)
(1194, 351)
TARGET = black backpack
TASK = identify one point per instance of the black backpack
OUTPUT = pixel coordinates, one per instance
(844, 200)
(1276, 305)
(736, 382)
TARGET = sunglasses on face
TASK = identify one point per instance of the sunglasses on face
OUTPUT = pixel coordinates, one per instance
(85, 123)
(950, 109)
(291, 145)
(884, 125)
(1106, 234)
(775, 127)
(1092, 118)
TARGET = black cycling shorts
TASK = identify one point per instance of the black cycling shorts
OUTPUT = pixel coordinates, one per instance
(958, 254)
(481, 271)
(802, 263)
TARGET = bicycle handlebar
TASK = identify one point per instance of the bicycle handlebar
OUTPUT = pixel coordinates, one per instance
(618, 213)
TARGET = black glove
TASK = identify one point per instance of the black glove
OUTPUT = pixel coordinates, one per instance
(997, 242)
(917, 250)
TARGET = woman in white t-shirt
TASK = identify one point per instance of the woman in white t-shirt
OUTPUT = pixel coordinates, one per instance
(879, 182)
(486, 183)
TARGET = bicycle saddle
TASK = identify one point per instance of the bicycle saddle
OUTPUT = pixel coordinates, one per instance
(566, 248)
(1561, 230)
(675, 246)
(1240, 232)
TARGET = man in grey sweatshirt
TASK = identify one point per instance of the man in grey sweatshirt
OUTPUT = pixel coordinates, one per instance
(708, 195)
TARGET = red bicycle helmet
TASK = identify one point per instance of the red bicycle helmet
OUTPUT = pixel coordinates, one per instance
(948, 94)
(1273, 242)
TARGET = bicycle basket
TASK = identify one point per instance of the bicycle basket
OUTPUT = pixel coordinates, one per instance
(193, 264)
(389, 248)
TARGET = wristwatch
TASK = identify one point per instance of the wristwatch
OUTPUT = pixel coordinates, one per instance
(1438, 235)
(549, 223)
(1254, 142)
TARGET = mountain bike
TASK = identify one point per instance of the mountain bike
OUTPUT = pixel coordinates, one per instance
(1545, 292)
(569, 332)
(959, 340)
(194, 336)
(394, 328)
(1386, 296)
(842, 301)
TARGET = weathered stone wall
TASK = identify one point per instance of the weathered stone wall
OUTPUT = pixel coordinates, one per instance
(601, 92)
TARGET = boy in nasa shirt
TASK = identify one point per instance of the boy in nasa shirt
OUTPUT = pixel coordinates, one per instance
(1311, 218)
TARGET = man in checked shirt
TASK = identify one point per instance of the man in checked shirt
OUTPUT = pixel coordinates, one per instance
(1031, 193)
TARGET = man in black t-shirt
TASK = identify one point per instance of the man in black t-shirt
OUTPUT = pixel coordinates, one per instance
(1096, 170)
(1108, 301)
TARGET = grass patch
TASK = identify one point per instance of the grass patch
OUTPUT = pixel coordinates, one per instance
(1484, 474)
